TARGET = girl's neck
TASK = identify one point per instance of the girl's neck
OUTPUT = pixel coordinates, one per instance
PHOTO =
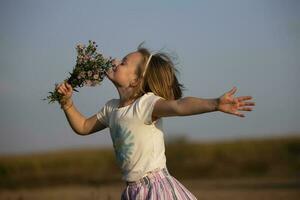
(124, 95)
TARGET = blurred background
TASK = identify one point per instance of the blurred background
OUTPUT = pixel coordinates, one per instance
(253, 45)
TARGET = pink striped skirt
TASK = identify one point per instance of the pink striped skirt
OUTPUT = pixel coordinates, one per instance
(157, 185)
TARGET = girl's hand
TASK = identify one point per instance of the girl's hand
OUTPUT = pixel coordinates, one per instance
(231, 105)
(66, 90)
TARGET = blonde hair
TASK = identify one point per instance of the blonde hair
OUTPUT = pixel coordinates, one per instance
(160, 77)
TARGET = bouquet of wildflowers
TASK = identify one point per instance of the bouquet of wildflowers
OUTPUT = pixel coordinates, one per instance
(89, 70)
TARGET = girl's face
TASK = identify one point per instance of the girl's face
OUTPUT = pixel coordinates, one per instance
(124, 74)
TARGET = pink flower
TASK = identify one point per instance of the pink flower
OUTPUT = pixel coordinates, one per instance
(88, 82)
(82, 75)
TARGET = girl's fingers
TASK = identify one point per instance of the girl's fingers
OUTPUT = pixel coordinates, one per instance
(60, 85)
(60, 91)
(247, 104)
(232, 91)
(239, 114)
(244, 98)
(64, 87)
(68, 86)
(64, 90)
(245, 109)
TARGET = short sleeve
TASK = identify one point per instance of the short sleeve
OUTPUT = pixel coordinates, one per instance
(104, 113)
(146, 106)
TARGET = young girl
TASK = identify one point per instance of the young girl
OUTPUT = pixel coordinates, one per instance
(148, 91)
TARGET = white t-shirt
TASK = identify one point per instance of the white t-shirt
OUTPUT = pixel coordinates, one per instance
(138, 142)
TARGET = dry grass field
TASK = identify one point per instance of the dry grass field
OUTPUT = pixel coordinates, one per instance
(246, 189)
(241, 169)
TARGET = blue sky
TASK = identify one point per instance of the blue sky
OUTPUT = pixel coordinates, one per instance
(254, 45)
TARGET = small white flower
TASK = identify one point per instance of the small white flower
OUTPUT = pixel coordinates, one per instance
(96, 76)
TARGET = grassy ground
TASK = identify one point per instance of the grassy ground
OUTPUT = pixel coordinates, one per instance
(242, 169)
(221, 189)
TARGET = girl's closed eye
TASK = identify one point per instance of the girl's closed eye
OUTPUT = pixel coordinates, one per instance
(124, 61)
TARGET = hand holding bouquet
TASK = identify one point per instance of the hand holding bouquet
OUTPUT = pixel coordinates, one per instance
(89, 70)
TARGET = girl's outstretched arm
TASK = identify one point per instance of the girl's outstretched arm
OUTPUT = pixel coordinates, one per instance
(193, 105)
